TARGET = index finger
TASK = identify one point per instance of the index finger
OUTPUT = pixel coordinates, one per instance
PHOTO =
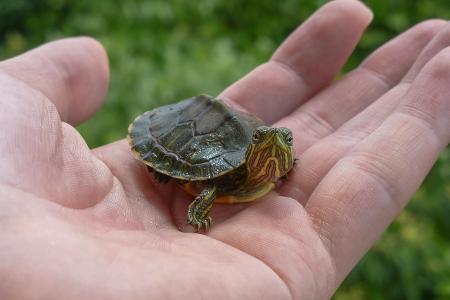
(306, 62)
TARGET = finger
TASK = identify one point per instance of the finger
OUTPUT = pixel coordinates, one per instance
(321, 157)
(365, 190)
(327, 111)
(42, 155)
(145, 201)
(439, 42)
(72, 73)
(306, 62)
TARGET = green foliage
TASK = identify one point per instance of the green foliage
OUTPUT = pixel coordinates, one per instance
(162, 51)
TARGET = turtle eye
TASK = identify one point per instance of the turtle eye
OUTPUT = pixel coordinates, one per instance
(256, 137)
(288, 136)
(289, 140)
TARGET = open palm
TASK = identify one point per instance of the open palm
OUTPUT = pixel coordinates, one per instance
(77, 223)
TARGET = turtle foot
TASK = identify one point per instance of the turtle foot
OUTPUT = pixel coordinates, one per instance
(199, 223)
(198, 210)
(161, 178)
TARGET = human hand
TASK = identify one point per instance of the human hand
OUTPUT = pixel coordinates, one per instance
(76, 223)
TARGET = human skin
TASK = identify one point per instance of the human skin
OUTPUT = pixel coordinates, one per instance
(77, 223)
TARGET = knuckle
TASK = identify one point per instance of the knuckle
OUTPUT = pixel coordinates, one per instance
(439, 67)
(374, 169)
(429, 28)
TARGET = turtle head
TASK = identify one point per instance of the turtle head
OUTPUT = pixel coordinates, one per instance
(270, 154)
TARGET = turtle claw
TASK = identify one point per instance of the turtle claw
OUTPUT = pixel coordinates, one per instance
(197, 227)
(207, 223)
(198, 224)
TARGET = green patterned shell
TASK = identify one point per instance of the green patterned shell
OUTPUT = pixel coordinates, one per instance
(196, 139)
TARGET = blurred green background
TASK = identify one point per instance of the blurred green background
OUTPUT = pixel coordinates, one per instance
(162, 51)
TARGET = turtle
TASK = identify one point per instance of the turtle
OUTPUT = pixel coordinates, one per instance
(218, 154)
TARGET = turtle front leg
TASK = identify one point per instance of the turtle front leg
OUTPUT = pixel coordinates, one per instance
(199, 208)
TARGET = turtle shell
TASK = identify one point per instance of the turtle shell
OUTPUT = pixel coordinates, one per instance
(196, 139)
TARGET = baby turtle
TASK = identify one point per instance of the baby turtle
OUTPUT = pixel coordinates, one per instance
(216, 153)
